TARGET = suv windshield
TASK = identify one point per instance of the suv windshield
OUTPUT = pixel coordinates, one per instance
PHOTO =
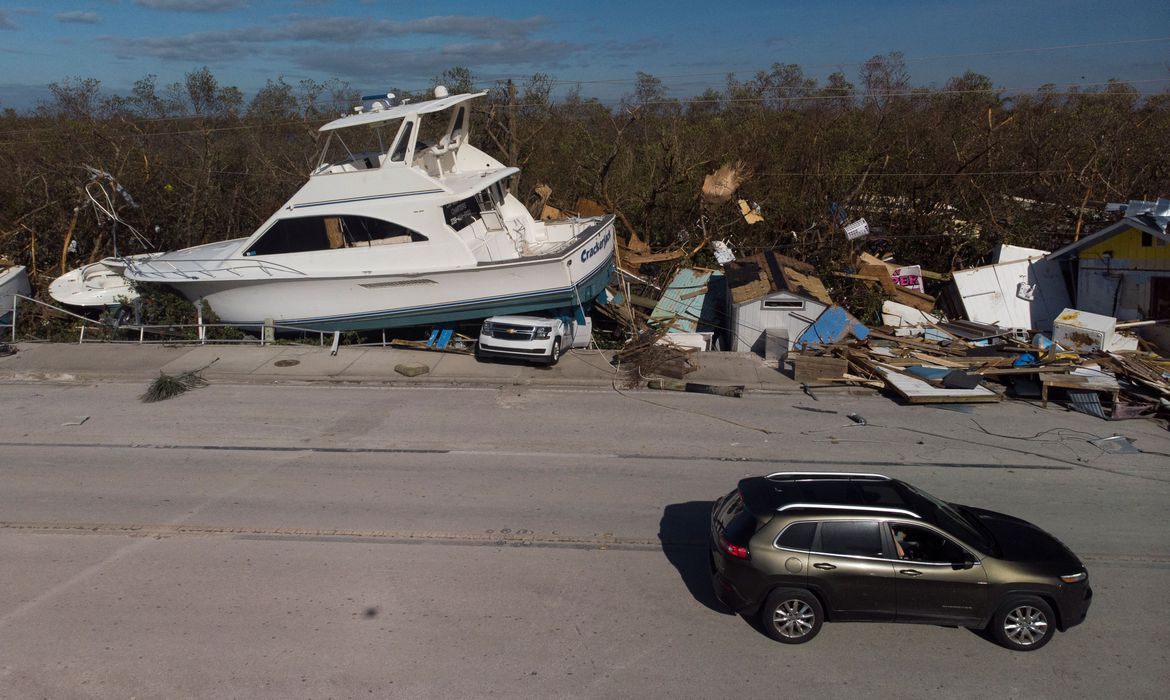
(952, 520)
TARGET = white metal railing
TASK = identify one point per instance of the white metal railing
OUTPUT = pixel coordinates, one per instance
(195, 268)
(169, 334)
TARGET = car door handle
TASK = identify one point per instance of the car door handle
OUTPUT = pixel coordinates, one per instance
(910, 572)
(824, 567)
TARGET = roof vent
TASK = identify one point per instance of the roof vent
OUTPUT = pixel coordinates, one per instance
(440, 92)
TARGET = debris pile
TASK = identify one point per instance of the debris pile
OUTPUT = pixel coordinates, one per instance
(1030, 324)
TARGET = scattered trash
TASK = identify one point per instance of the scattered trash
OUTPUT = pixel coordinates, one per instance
(411, 369)
(1117, 444)
(722, 251)
(166, 386)
(80, 421)
(856, 419)
(734, 391)
(751, 211)
(1025, 360)
(719, 186)
(856, 229)
(814, 410)
(957, 379)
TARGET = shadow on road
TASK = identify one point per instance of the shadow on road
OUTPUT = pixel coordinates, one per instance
(683, 533)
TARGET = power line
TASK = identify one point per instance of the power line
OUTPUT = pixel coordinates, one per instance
(979, 54)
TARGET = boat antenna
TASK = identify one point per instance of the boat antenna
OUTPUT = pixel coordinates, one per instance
(105, 205)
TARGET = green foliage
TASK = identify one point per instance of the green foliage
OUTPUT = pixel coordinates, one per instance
(36, 322)
(166, 386)
(218, 332)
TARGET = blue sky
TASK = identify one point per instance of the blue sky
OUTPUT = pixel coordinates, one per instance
(602, 43)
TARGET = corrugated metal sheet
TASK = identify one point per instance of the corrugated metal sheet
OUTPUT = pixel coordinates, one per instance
(1086, 402)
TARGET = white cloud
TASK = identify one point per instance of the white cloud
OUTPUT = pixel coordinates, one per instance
(78, 17)
(191, 5)
(397, 65)
(328, 31)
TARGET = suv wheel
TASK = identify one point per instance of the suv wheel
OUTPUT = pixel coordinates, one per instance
(554, 354)
(1023, 624)
(792, 615)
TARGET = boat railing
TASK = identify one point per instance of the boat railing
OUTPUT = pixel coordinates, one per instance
(197, 268)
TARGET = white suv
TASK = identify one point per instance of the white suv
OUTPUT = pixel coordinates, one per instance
(534, 337)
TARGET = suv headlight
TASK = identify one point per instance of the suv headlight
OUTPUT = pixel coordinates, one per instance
(1075, 578)
(487, 328)
(542, 332)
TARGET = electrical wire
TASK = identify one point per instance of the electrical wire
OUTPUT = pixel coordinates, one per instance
(920, 59)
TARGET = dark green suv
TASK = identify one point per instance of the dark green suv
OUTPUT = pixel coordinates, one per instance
(800, 548)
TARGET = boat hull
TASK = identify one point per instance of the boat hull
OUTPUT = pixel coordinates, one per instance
(372, 301)
(96, 285)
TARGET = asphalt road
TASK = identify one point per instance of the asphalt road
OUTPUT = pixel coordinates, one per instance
(287, 542)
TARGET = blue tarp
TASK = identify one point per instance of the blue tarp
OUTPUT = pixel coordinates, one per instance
(832, 325)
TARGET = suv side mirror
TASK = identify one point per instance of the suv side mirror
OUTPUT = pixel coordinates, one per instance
(965, 563)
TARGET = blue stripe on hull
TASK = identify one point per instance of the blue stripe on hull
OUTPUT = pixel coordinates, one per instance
(586, 290)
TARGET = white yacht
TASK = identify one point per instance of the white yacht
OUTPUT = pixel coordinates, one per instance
(402, 222)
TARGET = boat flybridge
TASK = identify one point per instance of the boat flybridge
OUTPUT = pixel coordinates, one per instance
(402, 222)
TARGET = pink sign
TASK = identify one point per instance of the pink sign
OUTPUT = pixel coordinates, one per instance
(909, 277)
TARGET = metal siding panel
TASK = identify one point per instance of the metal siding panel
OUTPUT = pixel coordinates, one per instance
(1128, 252)
(686, 281)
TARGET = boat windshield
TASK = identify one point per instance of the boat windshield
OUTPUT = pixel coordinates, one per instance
(356, 148)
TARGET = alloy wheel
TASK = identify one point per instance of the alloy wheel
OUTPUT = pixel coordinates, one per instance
(793, 618)
(1025, 625)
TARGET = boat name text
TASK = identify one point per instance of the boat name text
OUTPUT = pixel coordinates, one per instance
(596, 247)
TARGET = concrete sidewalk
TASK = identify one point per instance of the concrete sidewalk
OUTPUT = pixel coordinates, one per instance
(298, 364)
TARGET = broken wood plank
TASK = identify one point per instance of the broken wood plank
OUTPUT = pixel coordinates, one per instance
(917, 391)
(806, 368)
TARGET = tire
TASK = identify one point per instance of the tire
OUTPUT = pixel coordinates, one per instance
(554, 355)
(479, 356)
(792, 615)
(1024, 623)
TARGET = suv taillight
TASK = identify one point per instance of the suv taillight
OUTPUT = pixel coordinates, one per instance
(734, 549)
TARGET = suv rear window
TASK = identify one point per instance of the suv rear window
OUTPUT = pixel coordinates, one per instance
(797, 536)
(851, 537)
(736, 523)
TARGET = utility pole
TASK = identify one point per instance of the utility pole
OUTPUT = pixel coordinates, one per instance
(513, 147)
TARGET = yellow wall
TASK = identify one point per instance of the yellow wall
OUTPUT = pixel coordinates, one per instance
(1127, 245)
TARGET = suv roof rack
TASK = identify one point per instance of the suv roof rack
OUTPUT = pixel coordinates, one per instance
(828, 475)
(833, 506)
